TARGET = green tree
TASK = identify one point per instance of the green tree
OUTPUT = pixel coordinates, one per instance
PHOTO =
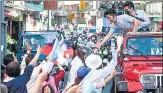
(10, 41)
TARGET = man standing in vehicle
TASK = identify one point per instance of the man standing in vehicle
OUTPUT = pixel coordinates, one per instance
(138, 14)
(125, 22)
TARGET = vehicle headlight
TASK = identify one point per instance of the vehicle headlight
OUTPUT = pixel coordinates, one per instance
(148, 79)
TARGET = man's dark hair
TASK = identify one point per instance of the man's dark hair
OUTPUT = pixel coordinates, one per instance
(13, 69)
(8, 58)
(28, 59)
(110, 11)
(130, 4)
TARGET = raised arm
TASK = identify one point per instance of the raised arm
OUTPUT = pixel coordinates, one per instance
(110, 66)
(42, 77)
(23, 64)
(103, 82)
(107, 37)
(34, 60)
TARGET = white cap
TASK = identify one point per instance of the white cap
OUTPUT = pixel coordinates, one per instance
(93, 61)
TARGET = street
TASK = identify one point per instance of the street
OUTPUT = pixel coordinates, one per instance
(81, 46)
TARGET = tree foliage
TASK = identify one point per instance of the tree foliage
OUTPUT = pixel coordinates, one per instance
(10, 41)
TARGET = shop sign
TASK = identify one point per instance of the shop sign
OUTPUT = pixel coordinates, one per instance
(50, 5)
(34, 7)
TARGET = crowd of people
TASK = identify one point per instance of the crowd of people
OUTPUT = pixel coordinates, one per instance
(85, 74)
(31, 77)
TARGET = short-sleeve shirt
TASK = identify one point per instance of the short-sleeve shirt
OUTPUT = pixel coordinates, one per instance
(141, 14)
(124, 22)
(18, 85)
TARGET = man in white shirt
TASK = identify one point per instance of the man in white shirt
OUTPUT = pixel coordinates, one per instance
(94, 62)
(138, 14)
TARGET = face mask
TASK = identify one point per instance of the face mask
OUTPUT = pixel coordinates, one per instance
(127, 12)
(83, 37)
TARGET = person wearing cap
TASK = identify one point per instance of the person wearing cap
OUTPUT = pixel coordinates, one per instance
(138, 14)
(81, 73)
(94, 62)
(15, 82)
(76, 63)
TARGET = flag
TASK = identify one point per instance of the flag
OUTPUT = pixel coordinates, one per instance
(60, 51)
(55, 51)
(47, 48)
(70, 52)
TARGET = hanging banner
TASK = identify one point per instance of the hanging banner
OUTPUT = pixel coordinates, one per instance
(50, 5)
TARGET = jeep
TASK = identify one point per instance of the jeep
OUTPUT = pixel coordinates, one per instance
(139, 68)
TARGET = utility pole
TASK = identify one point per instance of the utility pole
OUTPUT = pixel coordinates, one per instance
(48, 21)
(78, 13)
(3, 33)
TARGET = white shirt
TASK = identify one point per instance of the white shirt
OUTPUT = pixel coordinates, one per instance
(141, 14)
(97, 75)
(75, 64)
(124, 22)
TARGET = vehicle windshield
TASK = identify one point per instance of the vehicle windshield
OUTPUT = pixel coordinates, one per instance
(41, 39)
(33, 40)
(81, 28)
(92, 30)
(149, 46)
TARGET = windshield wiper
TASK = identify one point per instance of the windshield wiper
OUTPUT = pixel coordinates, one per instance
(136, 50)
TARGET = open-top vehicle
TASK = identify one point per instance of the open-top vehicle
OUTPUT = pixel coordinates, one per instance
(140, 64)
